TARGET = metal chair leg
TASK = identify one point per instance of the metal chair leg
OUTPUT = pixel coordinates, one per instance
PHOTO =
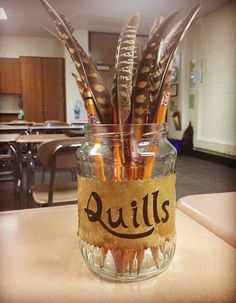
(29, 177)
(16, 177)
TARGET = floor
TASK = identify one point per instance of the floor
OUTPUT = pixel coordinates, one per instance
(194, 176)
(197, 176)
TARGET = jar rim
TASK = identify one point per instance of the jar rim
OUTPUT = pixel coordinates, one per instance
(113, 131)
(125, 125)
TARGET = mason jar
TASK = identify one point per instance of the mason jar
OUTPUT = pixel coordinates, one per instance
(126, 200)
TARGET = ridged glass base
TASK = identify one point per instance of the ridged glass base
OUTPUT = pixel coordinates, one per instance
(128, 265)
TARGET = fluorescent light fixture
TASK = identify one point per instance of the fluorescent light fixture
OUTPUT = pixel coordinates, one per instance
(2, 13)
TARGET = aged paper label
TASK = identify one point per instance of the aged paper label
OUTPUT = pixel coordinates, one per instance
(127, 214)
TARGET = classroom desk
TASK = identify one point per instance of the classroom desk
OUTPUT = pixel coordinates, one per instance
(216, 212)
(8, 138)
(13, 128)
(70, 130)
(41, 262)
(42, 128)
(35, 139)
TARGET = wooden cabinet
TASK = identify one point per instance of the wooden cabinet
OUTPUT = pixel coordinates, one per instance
(53, 89)
(32, 92)
(8, 117)
(43, 93)
(10, 81)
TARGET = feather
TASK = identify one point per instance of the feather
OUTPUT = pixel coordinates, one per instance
(79, 82)
(68, 24)
(65, 34)
(122, 82)
(50, 31)
(137, 56)
(101, 96)
(146, 67)
(85, 68)
(163, 70)
(157, 22)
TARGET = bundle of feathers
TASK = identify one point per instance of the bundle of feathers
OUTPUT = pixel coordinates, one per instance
(141, 84)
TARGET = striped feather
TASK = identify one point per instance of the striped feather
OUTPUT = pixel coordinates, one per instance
(156, 24)
(124, 63)
(88, 76)
(163, 70)
(64, 32)
(137, 56)
(140, 94)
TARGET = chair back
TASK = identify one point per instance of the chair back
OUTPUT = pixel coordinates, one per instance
(59, 152)
(19, 122)
(50, 123)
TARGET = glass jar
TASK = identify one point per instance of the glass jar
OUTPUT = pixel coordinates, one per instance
(126, 200)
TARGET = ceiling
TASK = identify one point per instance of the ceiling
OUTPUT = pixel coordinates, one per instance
(25, 16)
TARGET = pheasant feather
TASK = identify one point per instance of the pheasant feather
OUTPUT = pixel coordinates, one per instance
(155, 26)
(146, 67)
(122, 83)
(88, 76)
(137, 56)
(163, 70)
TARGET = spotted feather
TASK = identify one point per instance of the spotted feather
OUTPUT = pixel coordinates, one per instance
(146, 67)
(163, 70)
(88, 75)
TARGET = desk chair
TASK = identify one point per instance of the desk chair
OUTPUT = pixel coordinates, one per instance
(49, 123)
(54, 155)
(9, 171)
(19, 122)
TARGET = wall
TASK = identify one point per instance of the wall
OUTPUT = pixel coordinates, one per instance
(16, 46)
(72, 92)
(9, 104)
(211, 39)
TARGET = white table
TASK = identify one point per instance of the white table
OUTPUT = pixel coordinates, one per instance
(40, 262)
(8, 138)
(34, 139)
(71, 130)
(13, 128)
(216, 212)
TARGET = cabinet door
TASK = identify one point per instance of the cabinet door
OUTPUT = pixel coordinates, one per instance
(53, 84)
(10, 82)
(32, 91)
(103, 51)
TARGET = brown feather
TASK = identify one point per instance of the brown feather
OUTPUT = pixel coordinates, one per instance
(87, 72)
(102, 97)
(65, 35)
(122, 83)
(137, 56)
(163, 70)
(156, 24)
(140, 94)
